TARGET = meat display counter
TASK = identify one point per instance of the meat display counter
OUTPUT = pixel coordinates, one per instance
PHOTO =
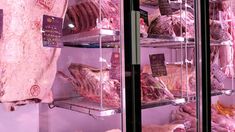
(168, 75)
(121, 65)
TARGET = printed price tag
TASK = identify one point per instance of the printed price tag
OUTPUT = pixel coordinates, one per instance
(218, 73)
(165, 8)
(52, 31)
(157, 62)
(144, 16)
(1, 22)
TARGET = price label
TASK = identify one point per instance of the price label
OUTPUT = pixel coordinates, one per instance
(218, 73)
(1, 22)
(165, 8)
(52, 31)
(157, 62)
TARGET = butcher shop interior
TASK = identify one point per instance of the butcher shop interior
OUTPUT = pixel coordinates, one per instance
(117, 66)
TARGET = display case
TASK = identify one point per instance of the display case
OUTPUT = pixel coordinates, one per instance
(118, 65)
(89, 79)
(166, 80)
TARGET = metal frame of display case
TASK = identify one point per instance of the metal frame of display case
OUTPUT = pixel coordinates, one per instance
(203, 65)
(132, 66)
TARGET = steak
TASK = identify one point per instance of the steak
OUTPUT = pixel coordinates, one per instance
(27, 69)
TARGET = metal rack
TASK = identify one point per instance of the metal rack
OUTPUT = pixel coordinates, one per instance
(86, 106)
(110, 39)
(90, 39)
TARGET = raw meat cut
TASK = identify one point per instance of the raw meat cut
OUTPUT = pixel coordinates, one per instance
(173, 79)
(222, 117)
(84, 16)
(164, 128)
(27, 69)
(171, 25)
(158, 128)
(219, 31)
(186, 114)
(153, 89)
(149, 2)
(219, 10)
(114, 130)
(175, 6)
(221, 28)
(88, 82)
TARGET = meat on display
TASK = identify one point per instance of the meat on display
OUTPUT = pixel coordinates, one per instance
(171, 25)
(85, 15)
(221, 29)
(27, 69)
(222, 117)
(87, 83)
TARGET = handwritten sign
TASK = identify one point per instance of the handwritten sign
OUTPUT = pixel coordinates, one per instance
(1, 22)
(52, 31)
(157, 62)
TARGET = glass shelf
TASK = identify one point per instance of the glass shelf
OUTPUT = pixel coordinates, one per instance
(86, 106)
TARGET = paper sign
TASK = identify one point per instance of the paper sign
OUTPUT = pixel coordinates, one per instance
(218, 73)
(52, 31)
(157, 62)
(1, 22)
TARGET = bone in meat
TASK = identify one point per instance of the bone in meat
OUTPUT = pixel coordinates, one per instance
(27, 69)
(86, 80)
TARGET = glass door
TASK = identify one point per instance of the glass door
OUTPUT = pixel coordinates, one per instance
(170, 92)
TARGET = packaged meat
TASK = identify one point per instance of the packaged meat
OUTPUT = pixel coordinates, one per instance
(27, 69)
